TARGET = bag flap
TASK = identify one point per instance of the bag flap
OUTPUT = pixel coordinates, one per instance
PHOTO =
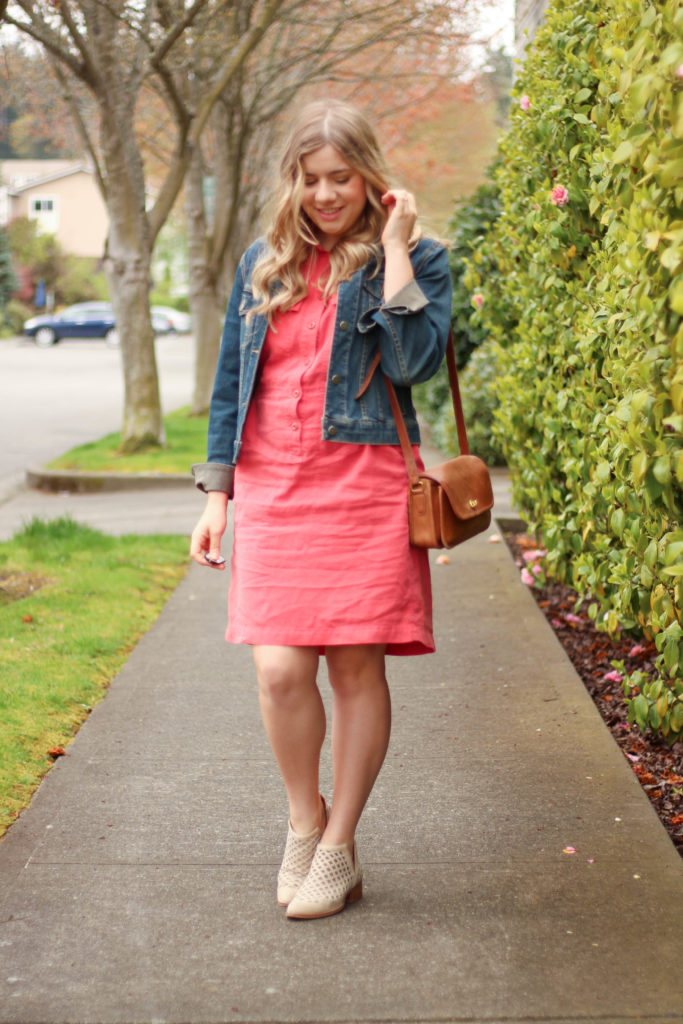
(467, 484)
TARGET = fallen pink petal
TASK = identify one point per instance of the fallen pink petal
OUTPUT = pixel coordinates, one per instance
(569, 849)
(635, 651)
(570, 617)
(613, 676)
(556, 623)
(443, 560)
(495, 538)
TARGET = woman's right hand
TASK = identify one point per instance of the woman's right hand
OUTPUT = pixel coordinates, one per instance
(207, 534)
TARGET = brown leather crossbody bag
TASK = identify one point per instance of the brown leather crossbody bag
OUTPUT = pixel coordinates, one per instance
(451, 502)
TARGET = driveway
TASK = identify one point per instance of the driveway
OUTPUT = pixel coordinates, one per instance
(53, 399)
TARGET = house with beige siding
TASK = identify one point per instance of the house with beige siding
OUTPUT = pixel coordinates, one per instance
(61, 196)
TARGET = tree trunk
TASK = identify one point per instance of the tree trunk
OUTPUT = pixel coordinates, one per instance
(127, 265)
(206, 299)
(129, 281)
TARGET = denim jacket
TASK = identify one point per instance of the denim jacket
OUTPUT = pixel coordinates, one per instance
(410, 331)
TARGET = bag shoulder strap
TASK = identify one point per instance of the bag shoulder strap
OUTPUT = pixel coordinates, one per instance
(455, 393)
(406, 446)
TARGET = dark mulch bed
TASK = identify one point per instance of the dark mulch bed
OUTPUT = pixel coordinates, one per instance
(658, 766)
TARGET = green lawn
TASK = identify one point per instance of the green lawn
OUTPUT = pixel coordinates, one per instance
(185, 444)
(73, 602)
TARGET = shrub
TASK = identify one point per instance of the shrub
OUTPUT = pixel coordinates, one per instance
(15, 314)
(469, 226)
(479, 400)
(586, 314)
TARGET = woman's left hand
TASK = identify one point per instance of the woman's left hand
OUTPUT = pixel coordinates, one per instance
(402, 216)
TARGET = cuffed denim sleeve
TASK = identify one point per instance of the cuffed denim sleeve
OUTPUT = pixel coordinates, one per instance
(214, 476)
(225, 398)
(408, 299)
(414, 323)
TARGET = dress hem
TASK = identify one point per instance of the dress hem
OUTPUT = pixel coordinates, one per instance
(405, 648)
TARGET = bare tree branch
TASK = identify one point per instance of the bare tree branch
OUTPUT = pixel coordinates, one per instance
(80, 123)
(239, 54)
(42, 34)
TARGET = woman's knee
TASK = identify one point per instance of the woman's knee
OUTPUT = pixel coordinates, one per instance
(284, 675)
(355, 669)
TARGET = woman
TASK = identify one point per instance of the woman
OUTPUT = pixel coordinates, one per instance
(301, 430)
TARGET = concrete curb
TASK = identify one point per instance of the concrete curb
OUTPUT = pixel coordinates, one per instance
(82, 483)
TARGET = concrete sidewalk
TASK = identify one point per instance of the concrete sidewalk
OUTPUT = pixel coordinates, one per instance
(139, 885)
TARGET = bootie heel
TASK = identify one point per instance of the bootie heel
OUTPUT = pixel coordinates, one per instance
(335, 879)
(298, 856)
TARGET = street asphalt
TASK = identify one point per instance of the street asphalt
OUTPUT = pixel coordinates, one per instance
(514, 869)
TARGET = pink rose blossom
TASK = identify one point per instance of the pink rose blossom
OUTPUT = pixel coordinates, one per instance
(613, 676)
(635, 651)
(531, 556)
(478, 300)
(559, 196)
(536, 570)
(524, 102)
(527, 577)
(679, 71)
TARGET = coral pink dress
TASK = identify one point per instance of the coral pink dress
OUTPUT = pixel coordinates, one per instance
(321, 553)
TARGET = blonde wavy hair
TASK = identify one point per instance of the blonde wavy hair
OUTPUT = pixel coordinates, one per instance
(278, 280)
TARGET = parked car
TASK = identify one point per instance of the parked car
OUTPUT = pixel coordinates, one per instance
(84, 320)
(180, 323)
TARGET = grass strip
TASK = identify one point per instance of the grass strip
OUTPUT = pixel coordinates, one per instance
(73, 603)
(185, 444)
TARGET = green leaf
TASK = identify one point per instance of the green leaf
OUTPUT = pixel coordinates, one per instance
(650, 556)
(603, 472)
(646, 577)
(662, 470)
(623, 152)
(618, 521)
(677, 717)
(640, 709)
(676, 296)
(639, 465)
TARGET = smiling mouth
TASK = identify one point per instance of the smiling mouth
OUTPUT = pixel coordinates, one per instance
(330, 213)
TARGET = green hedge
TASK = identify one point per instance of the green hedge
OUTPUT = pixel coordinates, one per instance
(586, 314)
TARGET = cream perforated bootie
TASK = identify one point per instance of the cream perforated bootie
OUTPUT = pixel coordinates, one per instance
(299, 851)
(334, 880)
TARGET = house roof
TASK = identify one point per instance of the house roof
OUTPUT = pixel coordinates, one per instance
(42, 179)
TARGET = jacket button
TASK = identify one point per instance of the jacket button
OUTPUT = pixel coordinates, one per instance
(343, 326)
(336, 379)
(332, 431)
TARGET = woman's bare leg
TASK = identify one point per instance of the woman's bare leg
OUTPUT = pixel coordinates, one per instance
(361, 725)
(294, 717)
